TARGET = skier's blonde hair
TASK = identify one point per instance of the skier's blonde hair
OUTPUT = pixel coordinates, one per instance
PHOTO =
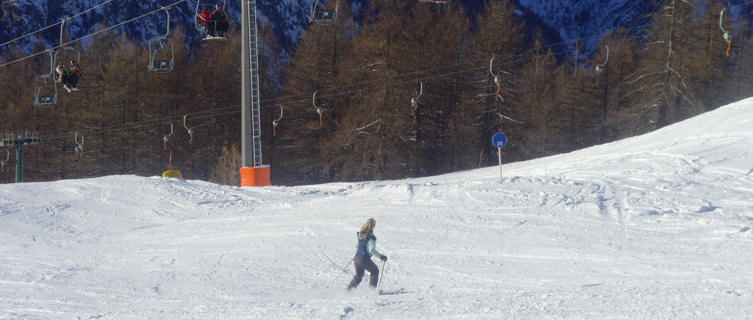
(368, 228)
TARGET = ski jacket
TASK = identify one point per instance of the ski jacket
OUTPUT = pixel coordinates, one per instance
(205, 17)
(74, 69)
(366, 247)
(219, 16)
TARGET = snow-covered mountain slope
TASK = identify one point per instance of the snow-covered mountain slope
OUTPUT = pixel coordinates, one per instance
(583, 19)
(22, 17)
(572, 18)
(658, 226)
(588, 20)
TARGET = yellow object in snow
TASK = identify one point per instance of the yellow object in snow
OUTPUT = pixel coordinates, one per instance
(173, 173)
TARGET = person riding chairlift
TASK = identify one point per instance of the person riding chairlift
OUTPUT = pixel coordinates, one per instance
(68, 76)
(220, 21)
(74, 72)
(205, 20)
(62, 73)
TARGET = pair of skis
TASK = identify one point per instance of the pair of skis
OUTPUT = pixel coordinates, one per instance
(383, 292)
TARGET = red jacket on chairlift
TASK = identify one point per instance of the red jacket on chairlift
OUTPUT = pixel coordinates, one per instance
(205, 17)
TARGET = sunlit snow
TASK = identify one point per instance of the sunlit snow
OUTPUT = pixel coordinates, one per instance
(651, 227)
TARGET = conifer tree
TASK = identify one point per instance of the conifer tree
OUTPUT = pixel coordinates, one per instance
(499, 34)
(664, 77)
(615, 59)
(315, 68)
(714, 75)
(537, 96)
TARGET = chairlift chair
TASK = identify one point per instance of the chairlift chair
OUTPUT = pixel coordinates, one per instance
(65, 53)
(45, 86)
(323, 16)
(46, 92)
(158, 46)
(203, 27)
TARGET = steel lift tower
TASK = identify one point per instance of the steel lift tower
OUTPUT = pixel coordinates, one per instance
(253, 172)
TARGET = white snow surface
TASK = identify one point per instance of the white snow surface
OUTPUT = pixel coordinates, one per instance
(652, 227)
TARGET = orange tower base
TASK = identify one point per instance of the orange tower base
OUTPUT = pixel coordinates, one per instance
(255, 176)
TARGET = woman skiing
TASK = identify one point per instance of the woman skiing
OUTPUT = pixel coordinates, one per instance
(365, 248)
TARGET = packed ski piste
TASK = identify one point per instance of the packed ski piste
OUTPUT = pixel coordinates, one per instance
(657, 226)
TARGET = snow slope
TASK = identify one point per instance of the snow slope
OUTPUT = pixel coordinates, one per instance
(651, 227)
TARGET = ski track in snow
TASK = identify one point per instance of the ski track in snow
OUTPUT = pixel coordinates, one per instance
(651, 227)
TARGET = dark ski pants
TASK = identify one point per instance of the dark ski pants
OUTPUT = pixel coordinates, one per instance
(364, 263)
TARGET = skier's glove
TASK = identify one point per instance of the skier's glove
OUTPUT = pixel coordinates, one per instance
(384, 258)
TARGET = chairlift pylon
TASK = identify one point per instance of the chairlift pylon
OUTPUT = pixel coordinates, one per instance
(45, 86)
(323, 16)
(157, 46)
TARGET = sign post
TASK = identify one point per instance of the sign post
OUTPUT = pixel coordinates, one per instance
(499, 140)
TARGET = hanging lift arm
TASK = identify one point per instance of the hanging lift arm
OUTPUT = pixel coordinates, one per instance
(79, 146)
(319, 110)
(725, 33)
(414, 100)
(167, 137)
(190, 131)
(600, 67)
(497, 79)
(276, 122)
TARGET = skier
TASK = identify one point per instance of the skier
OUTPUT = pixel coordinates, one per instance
(365, 248)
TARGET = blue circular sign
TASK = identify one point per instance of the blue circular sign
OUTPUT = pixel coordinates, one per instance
(499, 140)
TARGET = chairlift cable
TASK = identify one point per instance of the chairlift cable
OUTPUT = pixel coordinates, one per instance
(91, 34)
(54, 24)
(234, 108)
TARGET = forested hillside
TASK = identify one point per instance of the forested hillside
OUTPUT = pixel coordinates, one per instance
(362, 76)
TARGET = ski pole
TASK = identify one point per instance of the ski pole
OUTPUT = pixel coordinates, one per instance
(348, 265)
(381, 275)
(339, 273)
